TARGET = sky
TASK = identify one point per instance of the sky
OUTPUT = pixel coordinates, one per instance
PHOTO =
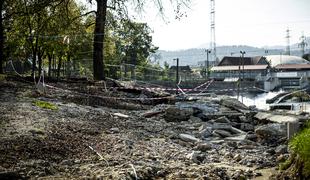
(237, 22)
(256, 23)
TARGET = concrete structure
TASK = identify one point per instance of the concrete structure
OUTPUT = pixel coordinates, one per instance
(236, 67)
(276, 71)
(288, 72)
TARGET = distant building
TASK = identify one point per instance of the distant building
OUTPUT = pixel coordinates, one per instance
(289, 72)
(235, 67)
(275, 71)
(181, 68)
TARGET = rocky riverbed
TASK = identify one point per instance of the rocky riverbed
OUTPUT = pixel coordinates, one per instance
(117, 138)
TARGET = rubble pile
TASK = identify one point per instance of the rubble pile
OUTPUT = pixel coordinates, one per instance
(205, 138)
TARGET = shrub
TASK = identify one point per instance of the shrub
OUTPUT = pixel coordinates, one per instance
(300, 145)
(45, 105)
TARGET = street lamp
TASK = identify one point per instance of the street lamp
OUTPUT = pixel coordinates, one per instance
(177, 74)
(208, 51)
(242, 55)
(242, 58)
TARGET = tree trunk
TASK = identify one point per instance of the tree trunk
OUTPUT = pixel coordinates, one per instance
(58, 67)
(34, 54)
(1, 37)
(49, 57)
(98, 65)
(40, 55)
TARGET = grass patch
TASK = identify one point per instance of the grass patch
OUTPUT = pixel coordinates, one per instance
(2, 77)
(45, 105)
(300, 145)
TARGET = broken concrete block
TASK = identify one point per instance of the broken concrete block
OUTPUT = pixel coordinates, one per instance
(188, 138)
(222, 133)
(174, 114)
(236, 138)
(281, 149)
(205, 133)
(246, 127)
(222, 119)
(236, 131)
(222, 126)
(271, 130)
(121, 115)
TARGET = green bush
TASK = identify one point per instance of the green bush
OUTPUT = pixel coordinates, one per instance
(300, 145)
(45, 105)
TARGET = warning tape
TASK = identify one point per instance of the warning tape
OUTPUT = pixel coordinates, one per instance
(108, 97)
(164, 89)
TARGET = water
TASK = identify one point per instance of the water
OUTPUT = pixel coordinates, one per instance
(258, 100)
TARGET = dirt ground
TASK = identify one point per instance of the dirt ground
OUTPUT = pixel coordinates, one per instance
(84, 139)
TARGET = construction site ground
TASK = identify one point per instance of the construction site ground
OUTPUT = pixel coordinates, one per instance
(93, 132)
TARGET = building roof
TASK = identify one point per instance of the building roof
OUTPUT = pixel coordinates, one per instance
(293, 66)
(276, 60)
(236, 61)
(181, 68)
(236, 68)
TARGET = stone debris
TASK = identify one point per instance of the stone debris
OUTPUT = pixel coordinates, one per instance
(188, 138)
(211, 138)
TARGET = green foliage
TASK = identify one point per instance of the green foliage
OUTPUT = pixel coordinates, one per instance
(300, 145)
(2, 77)
(45, 105)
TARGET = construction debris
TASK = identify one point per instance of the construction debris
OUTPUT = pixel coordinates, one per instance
(87, 137)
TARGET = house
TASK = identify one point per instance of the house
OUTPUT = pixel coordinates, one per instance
(236, 67)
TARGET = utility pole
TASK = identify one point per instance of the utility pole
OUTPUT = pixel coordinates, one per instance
(208, 51)
(238, 82)
(242, 55)
(302, 44)
(288, 50)
(177, 74)
(212, 26)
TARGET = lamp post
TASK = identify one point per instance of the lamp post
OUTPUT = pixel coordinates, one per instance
(177, 74)
(208, 51)
(242, 58)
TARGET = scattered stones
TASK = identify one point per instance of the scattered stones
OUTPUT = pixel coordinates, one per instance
(166, 142)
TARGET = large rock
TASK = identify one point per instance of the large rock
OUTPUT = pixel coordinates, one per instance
(233, 104)
(174, 114)
(271, 130)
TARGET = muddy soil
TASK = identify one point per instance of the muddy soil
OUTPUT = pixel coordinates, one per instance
(97, 141)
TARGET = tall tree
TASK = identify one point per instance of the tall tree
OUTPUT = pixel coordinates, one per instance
(99, 32)
(98, 65)
(1, 36)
